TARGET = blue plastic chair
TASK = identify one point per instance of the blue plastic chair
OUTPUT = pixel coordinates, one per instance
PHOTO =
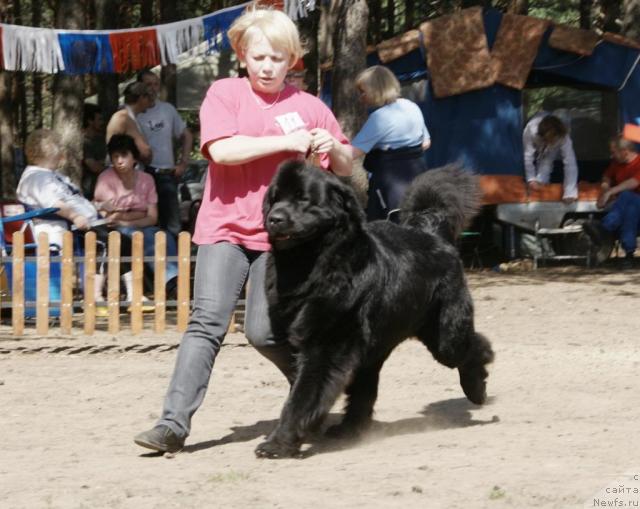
(24, 222)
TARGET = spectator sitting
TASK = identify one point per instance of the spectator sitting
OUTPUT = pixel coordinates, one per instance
(129, 201)
(621, 190)
(42, 186)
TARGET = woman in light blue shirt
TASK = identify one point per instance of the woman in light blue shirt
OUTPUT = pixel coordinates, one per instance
(393, 138)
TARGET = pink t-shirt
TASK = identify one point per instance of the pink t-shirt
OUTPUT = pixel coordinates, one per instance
(110, 188)
(231, 209)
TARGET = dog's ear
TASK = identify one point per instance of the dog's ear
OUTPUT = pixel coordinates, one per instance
(344, 197)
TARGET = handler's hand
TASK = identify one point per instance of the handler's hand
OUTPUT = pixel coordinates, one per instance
(322, 141)
(299, 141)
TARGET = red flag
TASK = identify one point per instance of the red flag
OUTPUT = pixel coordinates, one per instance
(134, 50)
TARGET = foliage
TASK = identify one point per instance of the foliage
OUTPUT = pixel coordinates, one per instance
(32, 92)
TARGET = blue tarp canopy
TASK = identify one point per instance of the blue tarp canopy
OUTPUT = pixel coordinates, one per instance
(483, 128)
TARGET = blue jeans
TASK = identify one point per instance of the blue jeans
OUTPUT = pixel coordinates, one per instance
(624, 218)
(148, 233)
(221, 272)
(168, 204)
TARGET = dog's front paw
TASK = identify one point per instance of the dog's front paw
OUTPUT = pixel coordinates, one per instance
(274, 450)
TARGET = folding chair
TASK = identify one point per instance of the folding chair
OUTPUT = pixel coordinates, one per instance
(13, 218)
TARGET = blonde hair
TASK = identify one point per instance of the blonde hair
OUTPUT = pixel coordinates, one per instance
(276, 26)
(41, 144)
(379, 85)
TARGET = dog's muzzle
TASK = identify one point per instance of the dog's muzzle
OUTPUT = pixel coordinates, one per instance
(278, 223)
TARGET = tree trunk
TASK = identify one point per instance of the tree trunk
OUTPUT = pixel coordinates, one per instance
(390, 16)
(68, 102)
(350, 53)
(7, 127)
(36, 80)
(464, 4)
(631, 19)
(309, 32)
(107, 18)
(350, 50)
(518, 7)
(585, 13)
(375, 18)
(20, 84)
(610, 14)
(146, 13)
(8, 181)
(409, 14)
(169, 73)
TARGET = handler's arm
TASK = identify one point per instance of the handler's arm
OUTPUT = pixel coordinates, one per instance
(242, 149)
(341, 159)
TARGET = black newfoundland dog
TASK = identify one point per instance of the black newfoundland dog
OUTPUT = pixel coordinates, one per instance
(345, 292)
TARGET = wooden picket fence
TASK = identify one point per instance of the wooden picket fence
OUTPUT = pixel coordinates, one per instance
(70, 283)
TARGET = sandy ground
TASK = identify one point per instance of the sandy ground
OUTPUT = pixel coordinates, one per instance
(560, 430)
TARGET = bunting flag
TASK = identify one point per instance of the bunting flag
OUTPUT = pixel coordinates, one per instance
(217, 24)
(134, 50)
(107, 51)
(297, 9)
(177, 38)
(85, 53)
(31, 49)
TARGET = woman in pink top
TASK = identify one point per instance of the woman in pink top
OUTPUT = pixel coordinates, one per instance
(248, 127)
(128, 199)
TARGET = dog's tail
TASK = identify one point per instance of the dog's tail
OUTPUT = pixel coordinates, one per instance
(442, 201)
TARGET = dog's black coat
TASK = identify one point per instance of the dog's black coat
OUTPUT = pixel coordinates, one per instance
(345, 292)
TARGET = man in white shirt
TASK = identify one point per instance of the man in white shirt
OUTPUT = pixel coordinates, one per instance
(137, 99)
(545, 140)
(162, 126)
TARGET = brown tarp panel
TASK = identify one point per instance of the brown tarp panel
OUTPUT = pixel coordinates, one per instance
(457, 53)
(573, 40)
(398, 46)
(620, 39)
(502, 189)
(498, 189)
(516, 47)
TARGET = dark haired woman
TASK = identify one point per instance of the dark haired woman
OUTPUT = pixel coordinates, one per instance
(128, 199)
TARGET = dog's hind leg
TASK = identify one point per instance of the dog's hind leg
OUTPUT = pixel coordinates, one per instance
(319, 382)
(362, 393)
(450, 337)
